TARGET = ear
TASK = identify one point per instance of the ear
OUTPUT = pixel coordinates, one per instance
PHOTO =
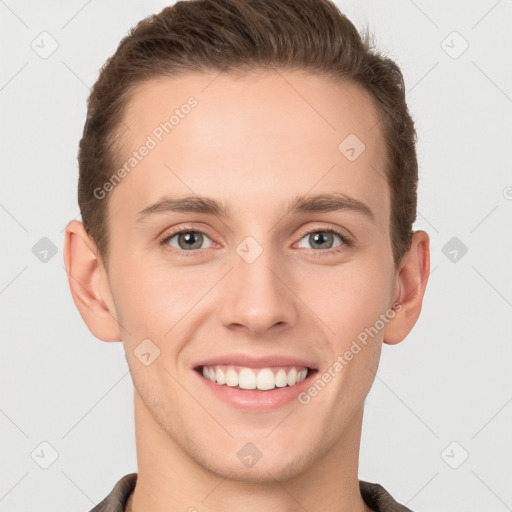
(89, 284)
(411, 282)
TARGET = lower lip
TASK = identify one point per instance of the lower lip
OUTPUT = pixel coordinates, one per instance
(254, 399)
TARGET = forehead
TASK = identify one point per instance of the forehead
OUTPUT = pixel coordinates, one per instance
(250, 139)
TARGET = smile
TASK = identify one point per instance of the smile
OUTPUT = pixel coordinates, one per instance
(263, 379)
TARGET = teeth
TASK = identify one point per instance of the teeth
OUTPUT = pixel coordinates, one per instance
(263, 379)
(247, 379)
(281, 379)
(231, 378)
(292, 377)
(220, 376)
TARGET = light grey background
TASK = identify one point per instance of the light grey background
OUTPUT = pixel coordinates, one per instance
(450, 381)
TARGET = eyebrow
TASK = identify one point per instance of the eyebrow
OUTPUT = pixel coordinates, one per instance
(318, 203)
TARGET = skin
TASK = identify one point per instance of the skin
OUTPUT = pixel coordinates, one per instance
(254, 143)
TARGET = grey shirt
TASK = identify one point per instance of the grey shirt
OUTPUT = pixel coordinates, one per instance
(374, 495)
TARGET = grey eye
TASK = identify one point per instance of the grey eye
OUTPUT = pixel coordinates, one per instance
(321, 239)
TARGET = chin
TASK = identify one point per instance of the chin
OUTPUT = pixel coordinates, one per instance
(271, 466)
(261, 472)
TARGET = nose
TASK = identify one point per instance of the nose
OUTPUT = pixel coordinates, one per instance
(258, 296)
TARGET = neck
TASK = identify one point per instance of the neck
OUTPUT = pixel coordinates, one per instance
(170, 479)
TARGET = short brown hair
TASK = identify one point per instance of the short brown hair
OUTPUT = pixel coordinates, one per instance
(242, 35)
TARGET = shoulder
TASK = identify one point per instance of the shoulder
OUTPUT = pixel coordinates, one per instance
(374, 495)
(378, 499)
(116, 500)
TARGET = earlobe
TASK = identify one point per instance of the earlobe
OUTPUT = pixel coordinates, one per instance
(412, 280)
(89, 284)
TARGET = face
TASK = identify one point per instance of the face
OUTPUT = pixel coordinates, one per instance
(251, 276)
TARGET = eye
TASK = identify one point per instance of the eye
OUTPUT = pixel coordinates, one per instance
(323, 239)
(191, 241)
(186, 240)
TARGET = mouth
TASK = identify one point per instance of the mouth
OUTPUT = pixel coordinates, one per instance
(255, 379)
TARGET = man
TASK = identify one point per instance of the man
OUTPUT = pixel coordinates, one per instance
(248, 187)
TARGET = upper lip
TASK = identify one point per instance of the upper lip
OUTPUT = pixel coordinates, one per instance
(255, 362)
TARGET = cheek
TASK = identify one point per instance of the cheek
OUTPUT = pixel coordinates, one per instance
(348, 298)
(143, 297)
(151, 298)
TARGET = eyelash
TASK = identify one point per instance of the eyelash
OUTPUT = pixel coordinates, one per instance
(343, 246)
(346, 242)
